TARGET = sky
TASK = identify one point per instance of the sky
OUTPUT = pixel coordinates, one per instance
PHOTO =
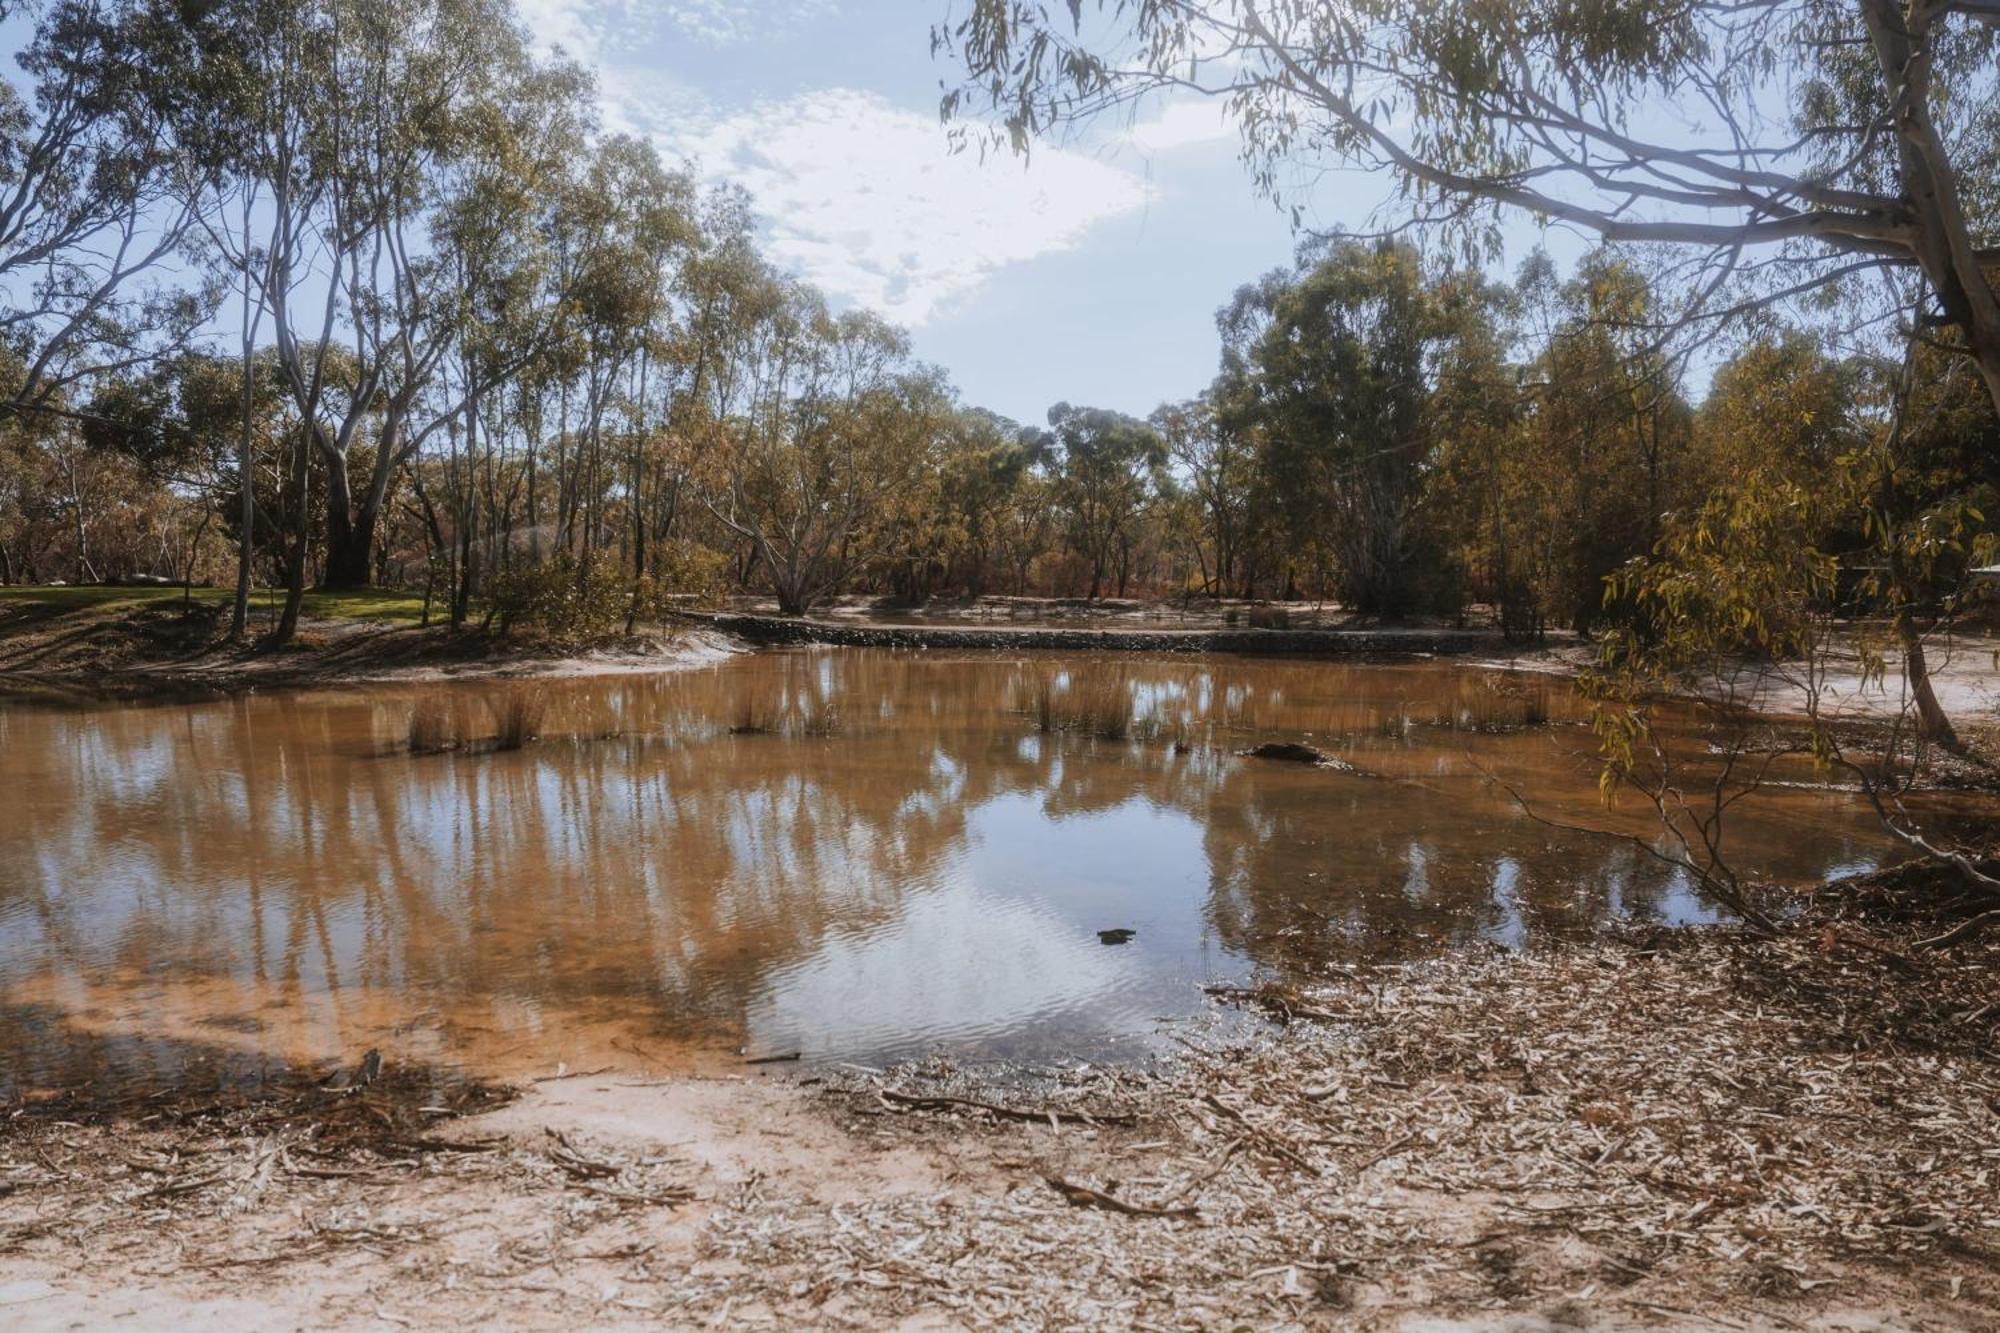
(1090, 273)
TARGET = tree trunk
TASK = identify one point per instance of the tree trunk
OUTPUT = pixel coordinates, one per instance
(1932, 721)
(350, 535)
(295, 593)
(239, 612)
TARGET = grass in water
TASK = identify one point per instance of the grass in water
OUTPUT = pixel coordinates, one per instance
(517, 718)
(818, 720)
(433, 726)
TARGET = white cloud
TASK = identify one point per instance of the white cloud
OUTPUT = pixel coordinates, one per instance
(860, 197)
(866, 200)
(584, 28)
(726, 22)
(574, 25)
(1182, 124)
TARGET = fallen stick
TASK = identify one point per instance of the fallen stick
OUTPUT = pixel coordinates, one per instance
(1082, 1196)
(1270, 1142)
(1271, 1001)
(938, 1103)
(568, 1073)
(448, 1145)
(1963, 930)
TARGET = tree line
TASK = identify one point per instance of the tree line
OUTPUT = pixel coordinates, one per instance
(479, 346)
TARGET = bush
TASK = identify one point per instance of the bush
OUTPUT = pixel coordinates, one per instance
(564, 599)
(1270, 617)
(684, 574)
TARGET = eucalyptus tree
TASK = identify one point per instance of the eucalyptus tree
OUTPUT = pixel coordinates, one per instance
(1219, 462)
(662, 233)
(406, 149)
(638, 227)
(1336, 366)
(1791, 143)
(95, 198)
(498, 288)
(1605, 431)
(1107, 465)
(822, 419)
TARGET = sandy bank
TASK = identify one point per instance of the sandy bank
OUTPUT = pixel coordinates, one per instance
(1680, 1130)
(163, 650)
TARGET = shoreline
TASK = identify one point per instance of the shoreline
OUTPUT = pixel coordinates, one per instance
(154, 649)
(1631, 1131)
(164, 652)
(1344, 642)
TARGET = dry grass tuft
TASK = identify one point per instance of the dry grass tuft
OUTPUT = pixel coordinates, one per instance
(434, 725)
(817, 719)
(517, 718)
(1270, 617)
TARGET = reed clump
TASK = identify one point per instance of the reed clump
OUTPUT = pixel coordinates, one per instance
(818, 720)
(433, 726)
(751, 720)
(517, 719)
(1106, 715)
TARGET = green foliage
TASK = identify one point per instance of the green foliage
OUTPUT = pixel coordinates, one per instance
(684, 574)
(1107, 468)
(564, 599)
(1739, 577)
(1348, 374)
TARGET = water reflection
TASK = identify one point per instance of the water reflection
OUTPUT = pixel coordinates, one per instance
(854, 854)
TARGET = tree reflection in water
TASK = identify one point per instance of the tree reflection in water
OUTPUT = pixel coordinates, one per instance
(855, 853)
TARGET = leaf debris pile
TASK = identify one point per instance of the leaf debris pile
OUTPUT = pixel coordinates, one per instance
(1620, 1133)
(1628, 1129)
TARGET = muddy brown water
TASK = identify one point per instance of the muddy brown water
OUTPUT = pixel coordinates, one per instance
(856, 855)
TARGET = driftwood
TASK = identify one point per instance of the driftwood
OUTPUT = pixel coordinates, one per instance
(1275, 1001)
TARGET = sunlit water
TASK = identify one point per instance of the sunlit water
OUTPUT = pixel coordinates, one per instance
(853, 855)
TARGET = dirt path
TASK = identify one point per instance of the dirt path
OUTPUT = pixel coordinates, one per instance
(1684, 1131)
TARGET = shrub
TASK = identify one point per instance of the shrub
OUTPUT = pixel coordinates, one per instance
(1270, 617)
(684, 574)
(563, 599)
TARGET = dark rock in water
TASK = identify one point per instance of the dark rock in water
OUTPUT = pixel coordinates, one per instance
(1291, 752)
(1121, 935)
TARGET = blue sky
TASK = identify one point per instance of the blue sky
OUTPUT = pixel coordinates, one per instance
(1090, 273)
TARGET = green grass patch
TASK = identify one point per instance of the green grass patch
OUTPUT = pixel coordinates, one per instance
(361, 604)
(364, 604)
(88, 597)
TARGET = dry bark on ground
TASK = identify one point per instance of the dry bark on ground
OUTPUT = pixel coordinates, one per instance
(1675, 1130)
